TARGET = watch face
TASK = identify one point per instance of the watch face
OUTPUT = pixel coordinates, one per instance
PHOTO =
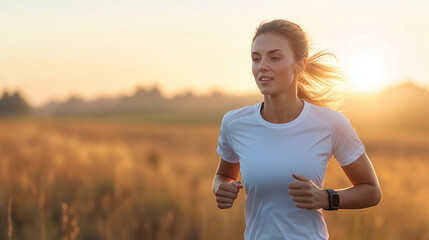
(335, 200)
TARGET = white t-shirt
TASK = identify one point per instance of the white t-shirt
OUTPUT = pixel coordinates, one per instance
(269, 153)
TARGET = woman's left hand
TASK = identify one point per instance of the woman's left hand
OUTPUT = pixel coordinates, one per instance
(306, 194)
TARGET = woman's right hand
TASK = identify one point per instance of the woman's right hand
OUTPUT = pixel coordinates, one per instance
(227, 193)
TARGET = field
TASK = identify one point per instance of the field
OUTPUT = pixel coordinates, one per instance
(70, 179)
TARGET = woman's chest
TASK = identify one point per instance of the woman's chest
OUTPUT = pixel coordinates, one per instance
(275, 157)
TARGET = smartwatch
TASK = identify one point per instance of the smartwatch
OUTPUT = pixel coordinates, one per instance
(333, 199)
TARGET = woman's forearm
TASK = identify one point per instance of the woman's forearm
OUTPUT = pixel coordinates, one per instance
(309, 196)
(359, 196)
(366, 188)
(220, 179)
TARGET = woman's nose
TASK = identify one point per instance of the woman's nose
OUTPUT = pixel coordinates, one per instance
(263, 65)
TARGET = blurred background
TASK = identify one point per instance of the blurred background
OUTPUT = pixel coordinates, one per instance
(110, 113)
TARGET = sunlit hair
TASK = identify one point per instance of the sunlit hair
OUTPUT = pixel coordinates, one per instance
(318, 83)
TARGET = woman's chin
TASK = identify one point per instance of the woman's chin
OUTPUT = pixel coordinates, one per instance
(266, 91)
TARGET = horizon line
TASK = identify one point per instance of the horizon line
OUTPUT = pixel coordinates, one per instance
(213, 91)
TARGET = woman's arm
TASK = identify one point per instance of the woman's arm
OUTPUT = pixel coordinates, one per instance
(364, 193)
(225, 185)
(226, 172)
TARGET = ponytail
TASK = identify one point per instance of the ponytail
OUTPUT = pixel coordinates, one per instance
(319, 82)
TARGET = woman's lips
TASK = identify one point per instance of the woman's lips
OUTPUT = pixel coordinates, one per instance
(265, 81)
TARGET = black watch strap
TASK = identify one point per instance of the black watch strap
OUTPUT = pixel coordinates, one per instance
(333, 199)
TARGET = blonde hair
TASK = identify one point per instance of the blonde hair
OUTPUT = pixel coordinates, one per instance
(318, 82)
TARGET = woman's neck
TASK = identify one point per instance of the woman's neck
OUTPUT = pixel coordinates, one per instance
(281, 108)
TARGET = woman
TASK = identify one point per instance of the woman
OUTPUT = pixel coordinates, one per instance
(282, 145)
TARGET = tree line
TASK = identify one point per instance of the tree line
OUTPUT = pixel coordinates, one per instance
(13, 104)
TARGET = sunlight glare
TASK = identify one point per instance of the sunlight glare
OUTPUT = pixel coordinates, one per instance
(366, 72)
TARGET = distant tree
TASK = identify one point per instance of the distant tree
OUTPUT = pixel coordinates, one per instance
(13, 105)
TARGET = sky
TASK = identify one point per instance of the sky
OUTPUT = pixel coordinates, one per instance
(52, 50)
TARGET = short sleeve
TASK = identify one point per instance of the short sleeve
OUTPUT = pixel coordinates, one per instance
(224, 148)
(346, 145)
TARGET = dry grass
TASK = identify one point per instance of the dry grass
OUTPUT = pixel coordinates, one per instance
(91, 180)
(9, 218)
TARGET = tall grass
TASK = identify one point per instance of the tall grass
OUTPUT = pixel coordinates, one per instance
(92, 180)
(9, 218)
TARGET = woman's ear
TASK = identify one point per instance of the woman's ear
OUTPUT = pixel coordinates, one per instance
(300, 66)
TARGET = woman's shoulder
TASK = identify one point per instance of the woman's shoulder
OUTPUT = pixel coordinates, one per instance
(329, 115)
(240, 113)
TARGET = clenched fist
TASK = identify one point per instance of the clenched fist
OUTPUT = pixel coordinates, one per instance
(227, 193)
(306, 194)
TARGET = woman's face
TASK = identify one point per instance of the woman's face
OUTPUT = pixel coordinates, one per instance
(273, 64)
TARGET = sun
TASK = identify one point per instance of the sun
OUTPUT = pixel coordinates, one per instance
(366, 72)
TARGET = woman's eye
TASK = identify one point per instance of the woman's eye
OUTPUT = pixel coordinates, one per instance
(255, 59)
(275, 59)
